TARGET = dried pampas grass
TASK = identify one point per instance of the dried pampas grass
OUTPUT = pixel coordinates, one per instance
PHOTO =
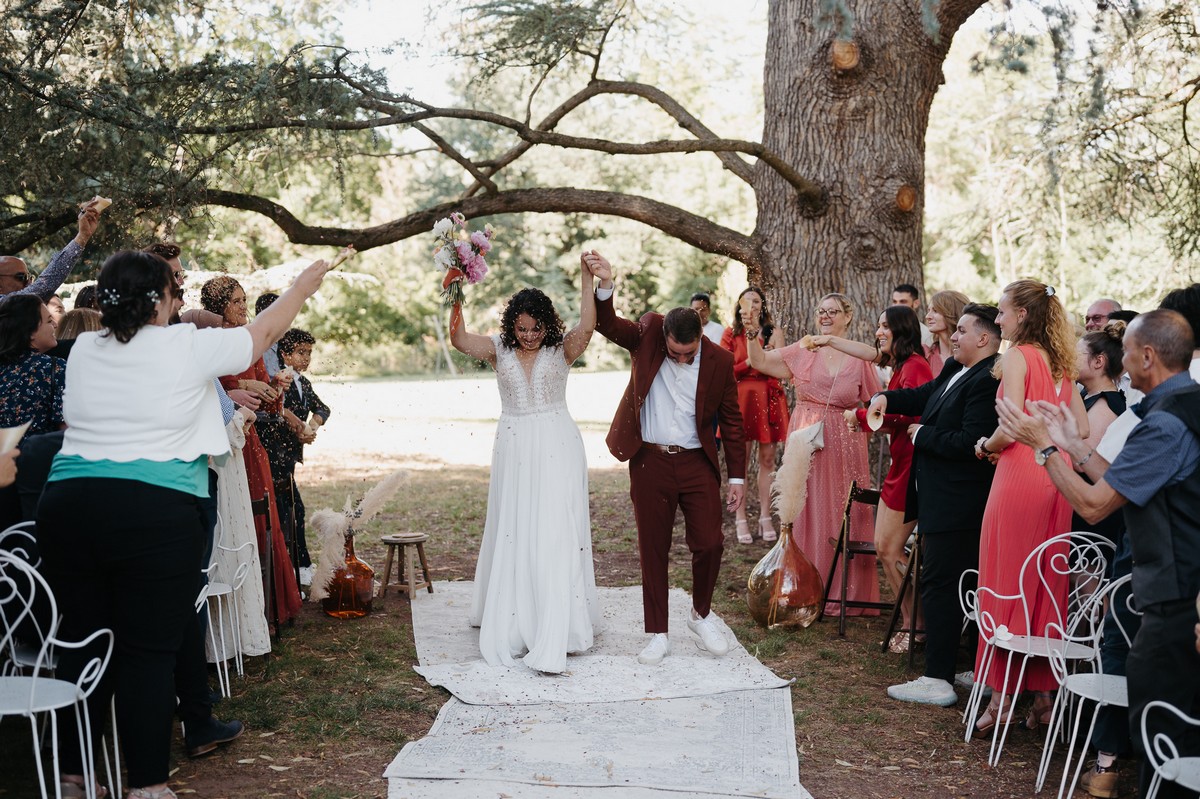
(789, 489)
(333, 528)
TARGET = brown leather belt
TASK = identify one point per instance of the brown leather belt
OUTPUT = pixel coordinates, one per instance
(669, 449)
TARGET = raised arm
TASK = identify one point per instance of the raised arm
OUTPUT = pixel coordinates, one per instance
(770, 363)
(577, 338)
(474, 345)
(273, 322)
(854, 349)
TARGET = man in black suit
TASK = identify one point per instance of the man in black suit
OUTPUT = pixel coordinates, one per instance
(948, 488)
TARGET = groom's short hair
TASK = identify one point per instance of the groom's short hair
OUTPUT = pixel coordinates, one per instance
(682, 324)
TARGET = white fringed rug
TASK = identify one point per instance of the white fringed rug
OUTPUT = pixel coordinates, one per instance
(448, 651)
(695, 726)
(732, 744)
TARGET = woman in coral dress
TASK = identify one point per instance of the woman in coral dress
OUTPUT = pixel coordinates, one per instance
(762, 402)
(827, 383)
(1024, 509)
(897, 345)
(224, 295)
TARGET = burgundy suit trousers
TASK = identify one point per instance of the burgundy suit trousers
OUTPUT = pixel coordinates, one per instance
(659, 484)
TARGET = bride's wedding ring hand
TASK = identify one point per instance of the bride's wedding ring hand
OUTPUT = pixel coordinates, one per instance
(598, 265)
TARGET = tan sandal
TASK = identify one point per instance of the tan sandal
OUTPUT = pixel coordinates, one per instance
(767, 527)
(743, 532)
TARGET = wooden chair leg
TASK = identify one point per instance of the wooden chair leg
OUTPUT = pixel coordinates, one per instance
(424, 567)
(387, 568)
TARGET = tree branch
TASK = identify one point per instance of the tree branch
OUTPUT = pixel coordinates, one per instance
(695, 230)
(454, 155)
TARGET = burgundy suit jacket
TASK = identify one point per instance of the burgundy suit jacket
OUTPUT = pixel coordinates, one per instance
(716, 389)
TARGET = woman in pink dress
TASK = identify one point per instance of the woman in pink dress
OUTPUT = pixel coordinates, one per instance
(1024, 509)
(762, 402)
(941, 319)
(827, 383)
(898, 345)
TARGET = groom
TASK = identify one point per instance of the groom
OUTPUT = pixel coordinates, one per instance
(679, 383)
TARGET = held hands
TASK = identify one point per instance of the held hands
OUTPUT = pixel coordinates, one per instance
(983, 453)
(598, 266)
(851, 417)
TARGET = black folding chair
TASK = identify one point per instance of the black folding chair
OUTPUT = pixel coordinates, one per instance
(845, 546)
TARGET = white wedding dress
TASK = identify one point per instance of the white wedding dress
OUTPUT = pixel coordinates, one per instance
(535, 587)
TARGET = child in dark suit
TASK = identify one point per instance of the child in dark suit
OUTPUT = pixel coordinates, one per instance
(303, 413)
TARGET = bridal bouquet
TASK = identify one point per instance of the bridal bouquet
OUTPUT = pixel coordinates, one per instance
(460, 253)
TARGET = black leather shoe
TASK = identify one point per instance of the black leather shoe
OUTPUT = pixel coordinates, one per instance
(205, 738)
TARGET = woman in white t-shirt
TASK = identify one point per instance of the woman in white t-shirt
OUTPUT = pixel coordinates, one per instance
(119, 523)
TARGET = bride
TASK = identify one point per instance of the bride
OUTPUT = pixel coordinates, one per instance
(535, 588)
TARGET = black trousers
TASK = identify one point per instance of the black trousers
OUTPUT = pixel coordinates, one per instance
(291, 517)
(945, 556)
(123, 554)
(191, 664)
(1163, 664)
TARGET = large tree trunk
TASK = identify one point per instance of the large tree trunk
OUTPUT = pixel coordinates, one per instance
(851, 115)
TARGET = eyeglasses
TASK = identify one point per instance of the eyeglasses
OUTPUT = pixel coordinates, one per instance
(828, 312)
(1096, 318)
(20, 277)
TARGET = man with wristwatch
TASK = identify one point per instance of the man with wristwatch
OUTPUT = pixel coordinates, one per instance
(1155, 480)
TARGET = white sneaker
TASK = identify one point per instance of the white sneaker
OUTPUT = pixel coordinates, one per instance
(924, 691)
(711, 638)
(966, 680)
(658, 648)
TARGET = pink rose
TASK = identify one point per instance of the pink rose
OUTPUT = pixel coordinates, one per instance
(465, 253)
(481, 242)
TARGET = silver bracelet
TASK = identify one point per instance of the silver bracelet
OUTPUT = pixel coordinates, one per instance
(1087, 457)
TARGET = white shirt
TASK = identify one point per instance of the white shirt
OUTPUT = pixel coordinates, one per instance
(1118, 431)
(945, 389)
(669, 412)
(713, 332)
(152, 398)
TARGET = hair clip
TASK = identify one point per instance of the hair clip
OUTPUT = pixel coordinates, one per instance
(1049, 291)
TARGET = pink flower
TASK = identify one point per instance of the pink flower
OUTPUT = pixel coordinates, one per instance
(481, 242)
(475, 269)
(465, 253)
(458, 219)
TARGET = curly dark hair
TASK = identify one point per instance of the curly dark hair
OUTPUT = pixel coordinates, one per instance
(538, 306)
(20, 317)
(293, 339)
(906, 335)
(216, 293)
(130, 284)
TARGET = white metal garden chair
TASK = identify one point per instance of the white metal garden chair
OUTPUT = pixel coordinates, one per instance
(35, 695)
(1163, 754)
(1079, 558)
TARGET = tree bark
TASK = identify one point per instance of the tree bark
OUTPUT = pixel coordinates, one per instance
(852, 115)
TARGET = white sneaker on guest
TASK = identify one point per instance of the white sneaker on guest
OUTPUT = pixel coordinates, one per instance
(658, 648)
(711, 638)
(966, 679)
(924, 691)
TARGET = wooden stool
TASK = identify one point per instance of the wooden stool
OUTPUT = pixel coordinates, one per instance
(412, 547)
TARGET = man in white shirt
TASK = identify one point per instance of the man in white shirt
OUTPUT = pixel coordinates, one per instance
(702, 305)
(680, 382)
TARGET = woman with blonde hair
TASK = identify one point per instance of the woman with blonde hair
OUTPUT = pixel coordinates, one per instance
(1024, 509)
(941, 319)
(829, 382)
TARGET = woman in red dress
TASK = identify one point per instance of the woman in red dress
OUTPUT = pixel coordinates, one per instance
(898, 345)
(225, 296)
(1024, 509)
(763, 405)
